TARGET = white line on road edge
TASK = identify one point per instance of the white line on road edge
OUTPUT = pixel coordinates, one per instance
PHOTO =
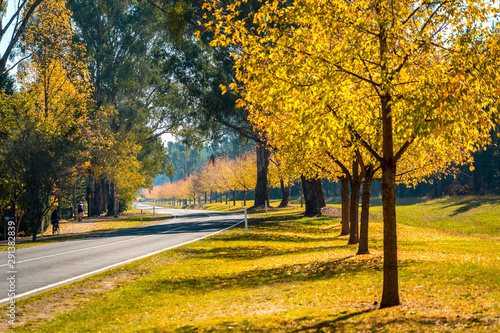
(57, 284)
(94, 247)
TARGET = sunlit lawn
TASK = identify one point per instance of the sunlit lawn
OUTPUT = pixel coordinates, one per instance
(296, 274)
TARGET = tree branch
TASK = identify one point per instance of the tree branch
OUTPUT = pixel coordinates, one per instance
(404, 147)
(358, 137)
(17, 34)
(340, 164)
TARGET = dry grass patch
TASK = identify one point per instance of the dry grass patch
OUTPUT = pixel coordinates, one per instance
(37, 310)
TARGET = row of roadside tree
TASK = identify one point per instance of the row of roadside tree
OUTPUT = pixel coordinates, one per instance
(222, 175)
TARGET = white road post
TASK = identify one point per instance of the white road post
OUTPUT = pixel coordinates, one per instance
(141, 215)
(266, 208)
(246, 222)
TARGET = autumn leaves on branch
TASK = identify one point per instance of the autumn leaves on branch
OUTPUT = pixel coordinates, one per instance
(405, 86)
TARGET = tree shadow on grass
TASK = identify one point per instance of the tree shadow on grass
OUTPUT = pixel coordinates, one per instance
(331, 324)
(300, 218)
(296, 224)
(312, 271)
(352, 323)
(464, 206)
(307, 236)
(252, 252)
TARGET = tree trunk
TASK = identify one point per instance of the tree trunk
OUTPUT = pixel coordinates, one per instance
(365, 211)
(18, 218)
(110, 199)
(390, 293)
(75, 212)
(115, 200)
(34, 226)
(101, 196)
(319, 190)
(36, 218)
(285, 194)
(89, 192)
(354, 213)
(245, 198)
(438, 188)
(96, 196)
(261, 194)
(345, 206)
(313, 203)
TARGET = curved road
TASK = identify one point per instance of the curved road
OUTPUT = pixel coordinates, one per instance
(45, 267)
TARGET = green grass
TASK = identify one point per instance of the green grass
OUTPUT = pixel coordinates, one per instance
(466, 216)
(295, 274)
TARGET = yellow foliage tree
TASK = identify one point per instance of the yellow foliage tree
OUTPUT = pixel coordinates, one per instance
(56, 73)
(408, 78)
(245, 173)
(54, 82)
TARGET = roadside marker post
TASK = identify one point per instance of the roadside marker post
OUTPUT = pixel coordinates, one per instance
(141, 215)
(246, 222)
(153, 211)
(266, 208)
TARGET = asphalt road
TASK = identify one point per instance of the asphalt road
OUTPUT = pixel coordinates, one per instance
(45, 267)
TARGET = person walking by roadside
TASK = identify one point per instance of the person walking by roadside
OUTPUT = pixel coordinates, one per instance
(54, 219)
(80, 211)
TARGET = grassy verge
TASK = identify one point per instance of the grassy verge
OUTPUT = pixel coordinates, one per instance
(474, 216)
(292, 274)
(89, 227)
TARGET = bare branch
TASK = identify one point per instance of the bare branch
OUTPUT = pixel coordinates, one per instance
(17, 34)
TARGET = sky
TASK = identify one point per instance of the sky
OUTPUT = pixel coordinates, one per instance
(10, 11)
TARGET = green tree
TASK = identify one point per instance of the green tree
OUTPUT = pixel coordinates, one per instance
(122, 39)
(185, 160)
(201, 70)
